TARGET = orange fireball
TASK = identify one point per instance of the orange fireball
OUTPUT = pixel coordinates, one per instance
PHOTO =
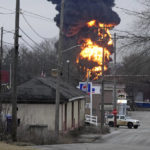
(92, 51)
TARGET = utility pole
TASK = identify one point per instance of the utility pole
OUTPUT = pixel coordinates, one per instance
(14, 75)
(114, 94)
(1, 59)
(102, 87)
(59, 69)
(10, 75)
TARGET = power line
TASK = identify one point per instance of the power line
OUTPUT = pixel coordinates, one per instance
(36, 17)
(32, 27)
(131, 11)
(27, 43)
(31, 14)
(8, 43)
(6, 31)
(1, 13)
(35, 14)
(29, 37)
(7, 9)
(68, 49)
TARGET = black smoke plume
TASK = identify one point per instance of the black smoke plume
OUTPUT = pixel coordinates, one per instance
(78, 12)
(76, 15)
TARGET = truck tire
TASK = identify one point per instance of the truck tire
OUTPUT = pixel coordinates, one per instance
(135, 127)
(130, 125)
(111, 124)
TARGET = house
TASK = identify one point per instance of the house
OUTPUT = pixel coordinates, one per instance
(36, 105)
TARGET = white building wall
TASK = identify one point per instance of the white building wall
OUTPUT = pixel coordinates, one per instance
(82, 112)
(37, 114)
(69, 116)
(76, 113)
(44, 114)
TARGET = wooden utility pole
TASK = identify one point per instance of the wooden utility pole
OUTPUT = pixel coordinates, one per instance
(1, 59)
(14, 73)
(114, 94)
(59, 69)
(102, 88)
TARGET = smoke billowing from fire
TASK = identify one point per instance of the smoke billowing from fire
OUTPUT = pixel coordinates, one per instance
(78, 12)
(87, 18)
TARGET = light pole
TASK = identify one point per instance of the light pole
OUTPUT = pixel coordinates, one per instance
(68, 62)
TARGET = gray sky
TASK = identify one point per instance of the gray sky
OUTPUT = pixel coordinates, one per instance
(47, 28)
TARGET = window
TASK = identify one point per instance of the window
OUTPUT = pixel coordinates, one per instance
(110, 116)
(122, 117)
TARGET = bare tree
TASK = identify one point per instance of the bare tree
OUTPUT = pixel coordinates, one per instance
(33, 62)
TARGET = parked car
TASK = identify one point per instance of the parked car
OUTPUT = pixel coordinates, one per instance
(122, 120)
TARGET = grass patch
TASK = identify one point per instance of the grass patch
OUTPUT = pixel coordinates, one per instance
(4, 146)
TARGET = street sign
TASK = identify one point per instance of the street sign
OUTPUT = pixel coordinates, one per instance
(85, 87)
(91, 89)
(114, 112)
(96, 89)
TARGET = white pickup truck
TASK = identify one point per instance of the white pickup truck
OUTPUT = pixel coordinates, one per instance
(122, 121)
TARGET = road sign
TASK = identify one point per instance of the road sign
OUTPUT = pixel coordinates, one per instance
(115, 112)
(84, 87)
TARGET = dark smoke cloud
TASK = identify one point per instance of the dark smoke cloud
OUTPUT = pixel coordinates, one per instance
(78, 12)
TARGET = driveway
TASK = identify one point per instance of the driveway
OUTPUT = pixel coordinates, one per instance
(120, 139)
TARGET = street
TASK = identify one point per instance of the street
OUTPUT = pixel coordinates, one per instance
(120, 139)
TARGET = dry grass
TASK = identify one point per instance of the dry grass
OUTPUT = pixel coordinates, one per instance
(4, 146)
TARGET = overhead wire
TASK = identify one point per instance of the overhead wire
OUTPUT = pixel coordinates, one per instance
(27, 43)
(6, 9)
(32, 28)
(131, 12)
(8, 43)
(35, 17)
(1, 13)
(35, 14)
(7, 31)
(29, 13)
(28, 36)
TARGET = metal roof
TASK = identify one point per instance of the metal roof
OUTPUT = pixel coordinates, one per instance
(43, 90)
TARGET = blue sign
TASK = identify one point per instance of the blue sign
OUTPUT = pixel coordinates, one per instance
(84, 87)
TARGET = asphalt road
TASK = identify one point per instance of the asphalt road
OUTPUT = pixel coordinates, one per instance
(120, 139)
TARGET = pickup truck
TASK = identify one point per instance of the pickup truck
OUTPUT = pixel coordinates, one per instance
(122, 120)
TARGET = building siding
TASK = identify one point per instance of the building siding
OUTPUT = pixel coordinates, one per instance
(76, 123)
(44, 114)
